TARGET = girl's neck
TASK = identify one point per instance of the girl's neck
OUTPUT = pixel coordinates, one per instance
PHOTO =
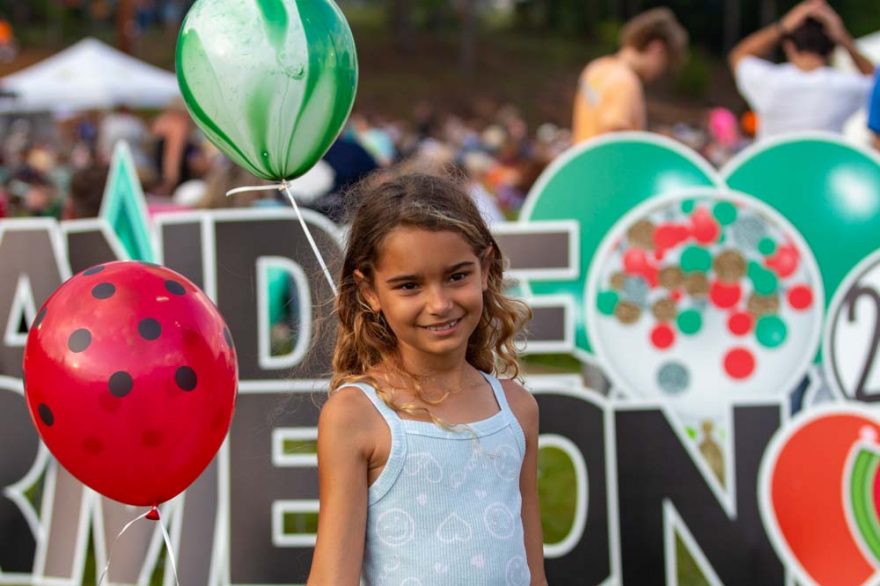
(435, 377)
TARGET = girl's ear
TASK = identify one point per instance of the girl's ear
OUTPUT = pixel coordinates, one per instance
(366, 289)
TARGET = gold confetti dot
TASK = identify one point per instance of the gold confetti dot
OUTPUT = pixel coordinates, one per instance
(730, 266)
(671, 278)
(664, 309)
(759, 305)
(641, 235)
(696, 284)
(618, 280)
(627, 312)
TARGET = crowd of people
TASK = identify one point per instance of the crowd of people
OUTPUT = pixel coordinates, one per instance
(805, 93)
(55, 167)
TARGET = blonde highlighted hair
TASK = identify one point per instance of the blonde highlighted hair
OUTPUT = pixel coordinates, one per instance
(364, 340)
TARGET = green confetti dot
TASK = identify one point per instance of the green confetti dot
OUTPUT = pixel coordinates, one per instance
(696, 259)
(765, 282)
(689, 321)
(724, 212)
(688, 205)
(607, 302)
(767, 246)
(754, 269)
(771, 331)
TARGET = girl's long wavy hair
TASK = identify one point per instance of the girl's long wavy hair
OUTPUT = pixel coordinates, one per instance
(364, 340)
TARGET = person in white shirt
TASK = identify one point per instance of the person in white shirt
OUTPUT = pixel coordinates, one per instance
(803, 94)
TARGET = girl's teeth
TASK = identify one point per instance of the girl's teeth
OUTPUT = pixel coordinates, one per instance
(443, 326)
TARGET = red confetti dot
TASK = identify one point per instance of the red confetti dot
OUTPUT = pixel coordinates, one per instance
(664, 237)
(676, 295)
(634, 261)
(651, 274)
(740, 323)
(724, 295)
(739, 363)
(800, 297)
(659, 254)
(669, 236)
(705, 228)
(784, 261)
(662, 336)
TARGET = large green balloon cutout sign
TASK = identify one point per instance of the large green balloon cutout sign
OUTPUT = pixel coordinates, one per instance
(828, 190)
(270, 82)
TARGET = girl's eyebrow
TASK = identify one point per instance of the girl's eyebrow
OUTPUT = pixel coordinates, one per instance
(406, 278)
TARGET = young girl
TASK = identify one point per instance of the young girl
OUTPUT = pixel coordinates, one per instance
(427, 462)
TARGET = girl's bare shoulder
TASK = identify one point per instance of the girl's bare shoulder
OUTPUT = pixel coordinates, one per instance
(522, 403)
(349, 415)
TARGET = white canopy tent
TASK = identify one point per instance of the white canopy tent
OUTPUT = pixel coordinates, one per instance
(87, 75)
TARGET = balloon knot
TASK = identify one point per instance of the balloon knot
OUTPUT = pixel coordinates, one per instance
(153, 515)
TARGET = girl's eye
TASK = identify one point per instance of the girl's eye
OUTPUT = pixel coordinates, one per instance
(458, 276)
(407, 286)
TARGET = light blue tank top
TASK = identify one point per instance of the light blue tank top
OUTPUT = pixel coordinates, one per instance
(446, 509)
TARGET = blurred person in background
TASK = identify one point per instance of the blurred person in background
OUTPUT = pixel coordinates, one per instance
(874, 111)
(30, 194)
(86, 193)
(171, 130)
(610, 95)
(8, 46)
(805, 93)
(122, 124)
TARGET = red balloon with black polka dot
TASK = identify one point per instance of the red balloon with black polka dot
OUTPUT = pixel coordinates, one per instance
(130, 377)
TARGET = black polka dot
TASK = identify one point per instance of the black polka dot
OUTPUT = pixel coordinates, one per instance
(46, 414)
(39, 319)
(149, 329)
(120, 383)
(174, 287)
(103, 290)
(79, 340)
(185, 377)
(94, 270)
(228, 337)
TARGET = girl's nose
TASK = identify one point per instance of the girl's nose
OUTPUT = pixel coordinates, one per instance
(439, 301)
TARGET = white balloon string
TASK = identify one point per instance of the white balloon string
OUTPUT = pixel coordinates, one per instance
(302, 222)
(285, 187)
(126, 528)
(169, 550)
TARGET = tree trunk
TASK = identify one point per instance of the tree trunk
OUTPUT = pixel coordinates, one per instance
(124, 25)
(468, 36)
(768, 11)
(732, 23)
(402, 28)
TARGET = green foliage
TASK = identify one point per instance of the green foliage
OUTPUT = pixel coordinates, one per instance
(695, 76)
(556, 493)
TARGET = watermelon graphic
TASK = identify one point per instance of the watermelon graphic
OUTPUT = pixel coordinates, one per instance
(863, 489)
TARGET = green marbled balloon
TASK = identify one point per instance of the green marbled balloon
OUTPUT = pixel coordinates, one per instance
(270, 82)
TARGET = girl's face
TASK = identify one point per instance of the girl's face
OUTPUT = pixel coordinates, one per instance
(429, 285)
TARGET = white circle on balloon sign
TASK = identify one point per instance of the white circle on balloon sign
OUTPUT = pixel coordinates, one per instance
(852, 333)
(701, 297)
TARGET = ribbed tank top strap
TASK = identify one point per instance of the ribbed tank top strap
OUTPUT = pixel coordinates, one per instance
(507, 411)
(397, 454)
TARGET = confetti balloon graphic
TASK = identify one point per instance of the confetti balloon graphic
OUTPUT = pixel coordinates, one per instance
(130, 377)
(819, 496)
(730, 302)
(270, 82)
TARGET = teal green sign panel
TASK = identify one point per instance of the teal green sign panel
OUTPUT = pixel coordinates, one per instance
(829, 191)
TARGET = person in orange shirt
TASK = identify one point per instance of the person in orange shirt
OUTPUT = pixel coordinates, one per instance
(610, 95)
